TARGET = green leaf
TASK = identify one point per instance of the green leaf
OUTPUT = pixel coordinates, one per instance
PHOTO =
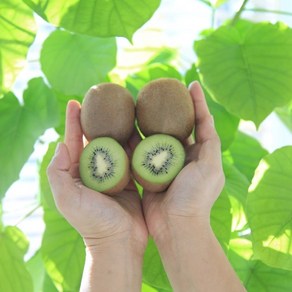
(218, 3)
(285, 114)
(236, 187)
(221, 219)
(226, 124)
(97, 17)
(17, 32)
(146, 288)
(20, 127)
(269, 207)
(246, 153)
(153, 270)
(136, 81)
(41, 281)
(63, 101)
(163, 56)
(72, 63)
(45, 189)
(13, 273)
(63, 252)
(247, 68)
(255, 275)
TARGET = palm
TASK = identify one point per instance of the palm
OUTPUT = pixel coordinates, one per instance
(102, 216)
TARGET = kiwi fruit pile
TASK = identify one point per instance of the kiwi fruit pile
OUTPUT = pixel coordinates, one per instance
(107, 120)
(165, 115)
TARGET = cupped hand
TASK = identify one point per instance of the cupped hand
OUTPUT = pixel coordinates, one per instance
(96, 216)
(198, 185)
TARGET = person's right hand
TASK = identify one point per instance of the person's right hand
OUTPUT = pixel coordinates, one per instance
(96, 216)
(194, 191)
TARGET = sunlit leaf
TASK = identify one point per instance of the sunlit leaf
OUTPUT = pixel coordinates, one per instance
(246, 153)
(63, 252)
(270, 209)
(72, 63)
(226, 124)
(236, 187)
(96, 17)
(41, 281)
(21, 125)
(247, 67)
(285, 114)
(13, 273)
(17, 32)
(255, 275)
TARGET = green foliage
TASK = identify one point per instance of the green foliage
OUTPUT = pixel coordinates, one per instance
(21, 125)
(246, 153)
(41, 280)
(73, 63)
(270, 208)
(17, 32)
(96, 17)
(63, 252)
(13, 274)
(242, 74)
(245, 70)
(255, 275)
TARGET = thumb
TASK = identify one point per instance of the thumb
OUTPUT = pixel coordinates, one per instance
(61, 181)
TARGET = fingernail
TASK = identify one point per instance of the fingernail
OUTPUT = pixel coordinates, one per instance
(192, 83)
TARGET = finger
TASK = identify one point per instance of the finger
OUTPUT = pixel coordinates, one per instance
(60, 180)
(204, 123)
(133, 141)
(73, 131)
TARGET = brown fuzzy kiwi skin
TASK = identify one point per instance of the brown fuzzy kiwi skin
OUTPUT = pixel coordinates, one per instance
(165, 106)
(108, 110)
(123, 183)
(148, 186)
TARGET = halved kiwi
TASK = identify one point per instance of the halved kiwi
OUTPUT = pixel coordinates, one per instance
(104, 166)
(108, 110)
(156, 161)
(165, 106)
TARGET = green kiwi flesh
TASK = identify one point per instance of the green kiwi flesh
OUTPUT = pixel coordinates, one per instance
(157, 160)
(165, 106)
(108, 110)
(104, 166)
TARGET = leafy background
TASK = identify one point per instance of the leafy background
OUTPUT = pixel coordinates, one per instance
(246, 70)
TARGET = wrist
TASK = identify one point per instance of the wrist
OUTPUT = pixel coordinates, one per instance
(180, 229)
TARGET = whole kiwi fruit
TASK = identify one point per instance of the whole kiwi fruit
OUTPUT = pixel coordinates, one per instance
(108, 110)
(156, 161)
(104, 166)
(165, 106)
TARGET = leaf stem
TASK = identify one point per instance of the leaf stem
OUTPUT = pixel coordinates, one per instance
(268, 11)
(238, 13)
(28, 214)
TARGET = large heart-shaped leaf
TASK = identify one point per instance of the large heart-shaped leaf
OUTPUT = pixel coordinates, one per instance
(255, 275)
(41, 280)
(73, 63)
(96, 17)
(63, 252)
(246, 153)
(21, 125)
(269, 207)
(17, 32)
(13, 273)
(248, 67)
